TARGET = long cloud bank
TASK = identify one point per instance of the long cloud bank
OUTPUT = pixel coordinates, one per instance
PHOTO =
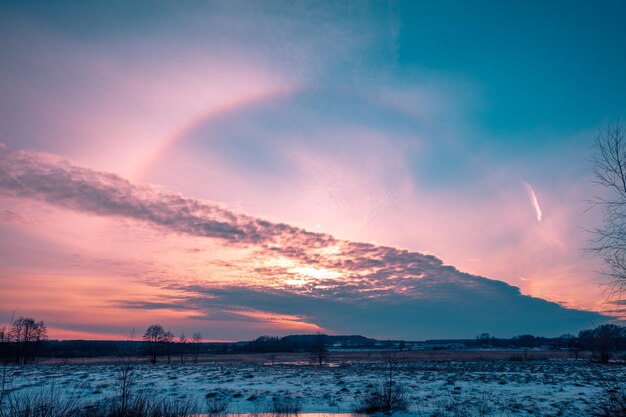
(341, 286)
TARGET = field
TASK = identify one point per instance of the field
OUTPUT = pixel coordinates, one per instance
(435, 383)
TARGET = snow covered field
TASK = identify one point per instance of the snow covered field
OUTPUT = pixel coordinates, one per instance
(481, 388)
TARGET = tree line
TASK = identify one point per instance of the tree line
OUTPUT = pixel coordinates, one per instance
(602, 341)
(161, 342)
(26, 339)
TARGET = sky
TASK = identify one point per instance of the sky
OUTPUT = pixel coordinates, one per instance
(400, 169)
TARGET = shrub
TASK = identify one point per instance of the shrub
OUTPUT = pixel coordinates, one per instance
(142, 406)
(216, 404)
(612, 402)
(286, 405)
(387, 398)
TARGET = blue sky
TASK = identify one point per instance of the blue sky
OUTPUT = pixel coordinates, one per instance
(554, 66)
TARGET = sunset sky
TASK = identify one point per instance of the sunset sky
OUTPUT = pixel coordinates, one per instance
(394, 169)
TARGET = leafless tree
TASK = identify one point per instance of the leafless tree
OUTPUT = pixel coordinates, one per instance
(154, 336)
(182, 343)
(390, 396)
(197, 338)
(125, 382)
(393, 393)
(125, 375)
(166, 340)
(319, 350)
(609, 240)
(26, 334)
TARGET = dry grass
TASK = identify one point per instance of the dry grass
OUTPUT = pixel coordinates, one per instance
(286, 405)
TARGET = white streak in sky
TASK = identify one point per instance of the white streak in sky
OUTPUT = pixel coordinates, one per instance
(533, 199)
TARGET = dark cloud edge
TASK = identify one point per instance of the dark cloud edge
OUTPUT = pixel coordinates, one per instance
(49, 178)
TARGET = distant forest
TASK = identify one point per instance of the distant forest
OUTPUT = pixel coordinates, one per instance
(20, 347)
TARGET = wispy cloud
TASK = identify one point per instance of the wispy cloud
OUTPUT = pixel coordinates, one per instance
(533, 200)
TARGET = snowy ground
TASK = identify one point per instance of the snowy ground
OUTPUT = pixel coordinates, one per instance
(482, 388)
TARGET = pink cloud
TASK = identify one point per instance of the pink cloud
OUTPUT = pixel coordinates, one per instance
(325, 267)
(362, 188)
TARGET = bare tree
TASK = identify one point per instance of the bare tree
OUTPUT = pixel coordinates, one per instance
(393, 393)
(182, 342)
(125, 375)
(166, 340)
(319, 350)
(609, 170)
(609, 242)
(197, 338)
(27, 334)
(390, 396)
(154, 336)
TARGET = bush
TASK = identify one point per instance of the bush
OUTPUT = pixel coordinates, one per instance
(286, 405)
(387, 398)
(216, 404)
(142, 406)
(612, 403)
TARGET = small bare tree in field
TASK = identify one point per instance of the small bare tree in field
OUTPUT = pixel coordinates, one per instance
(319, 350)
(197, 338)
(166, 340)
(390, 396)
(125, 375)
(182, 343)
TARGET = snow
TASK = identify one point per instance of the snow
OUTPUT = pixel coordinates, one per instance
(515, 388)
